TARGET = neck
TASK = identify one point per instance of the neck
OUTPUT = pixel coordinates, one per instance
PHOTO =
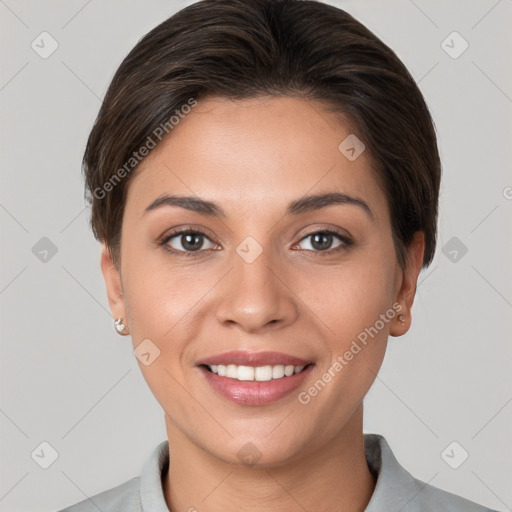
(336, 477)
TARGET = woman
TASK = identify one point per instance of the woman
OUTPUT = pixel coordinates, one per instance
(264, 179)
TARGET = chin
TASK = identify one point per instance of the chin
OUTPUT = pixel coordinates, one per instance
(259, 452)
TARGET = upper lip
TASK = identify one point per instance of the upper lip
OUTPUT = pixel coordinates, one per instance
(246, 358)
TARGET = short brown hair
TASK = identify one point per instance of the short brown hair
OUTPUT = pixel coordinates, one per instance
(247, 48)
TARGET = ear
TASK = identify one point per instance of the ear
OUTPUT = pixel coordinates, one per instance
(113, 284)
(407, 288)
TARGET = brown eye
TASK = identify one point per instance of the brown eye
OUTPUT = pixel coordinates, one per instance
(322, 241)
(186, 241)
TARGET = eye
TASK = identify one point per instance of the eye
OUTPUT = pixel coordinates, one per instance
(186, 242)
(191, 242)
(322, 240)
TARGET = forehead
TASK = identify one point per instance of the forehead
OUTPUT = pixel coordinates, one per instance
(253, 152)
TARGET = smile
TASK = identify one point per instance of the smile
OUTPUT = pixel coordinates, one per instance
(258, 373)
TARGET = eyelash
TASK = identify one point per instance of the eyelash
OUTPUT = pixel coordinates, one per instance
(346, 242)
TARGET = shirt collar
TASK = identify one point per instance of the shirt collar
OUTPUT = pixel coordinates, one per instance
(151, 480)
(393, 490)
(395, 486)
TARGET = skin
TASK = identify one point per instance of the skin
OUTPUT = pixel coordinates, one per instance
(253, 157)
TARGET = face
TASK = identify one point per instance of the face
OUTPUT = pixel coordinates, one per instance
(266, 277)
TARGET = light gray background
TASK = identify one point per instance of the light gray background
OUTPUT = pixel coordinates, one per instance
(69, 380)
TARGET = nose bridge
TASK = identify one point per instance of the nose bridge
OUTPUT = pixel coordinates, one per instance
(254, 294)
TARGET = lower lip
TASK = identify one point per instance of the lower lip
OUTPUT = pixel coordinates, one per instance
(254, 392)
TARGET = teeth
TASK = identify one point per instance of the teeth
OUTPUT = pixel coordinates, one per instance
(231, 371)
(259, 373)
(243, 373)
(262, 373)
(278, 371)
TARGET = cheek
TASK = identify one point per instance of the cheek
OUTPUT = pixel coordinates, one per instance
(160, 301)
(167, 304)
(354, 305)
(169, 301)
(349, 298)
(161, 307)
(355, 309)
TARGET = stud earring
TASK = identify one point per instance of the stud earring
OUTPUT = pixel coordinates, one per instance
(401, 319)
(120, 327)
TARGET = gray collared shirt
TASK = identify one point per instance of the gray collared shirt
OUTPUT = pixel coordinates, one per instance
(396, 489)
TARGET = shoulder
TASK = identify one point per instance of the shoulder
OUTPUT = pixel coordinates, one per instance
(397, 489)
(427, 498)
(122, 498)
(140, 493)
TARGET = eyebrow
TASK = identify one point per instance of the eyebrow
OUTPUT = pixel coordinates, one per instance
(303, 205)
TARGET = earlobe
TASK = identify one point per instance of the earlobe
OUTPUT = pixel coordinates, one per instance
(406, 293)
(113, 285)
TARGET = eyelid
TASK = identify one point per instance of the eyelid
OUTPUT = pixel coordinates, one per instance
(342, 233)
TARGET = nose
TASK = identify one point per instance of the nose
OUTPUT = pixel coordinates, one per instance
(256, 296)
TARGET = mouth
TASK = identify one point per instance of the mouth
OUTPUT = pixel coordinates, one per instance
(254, 378)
